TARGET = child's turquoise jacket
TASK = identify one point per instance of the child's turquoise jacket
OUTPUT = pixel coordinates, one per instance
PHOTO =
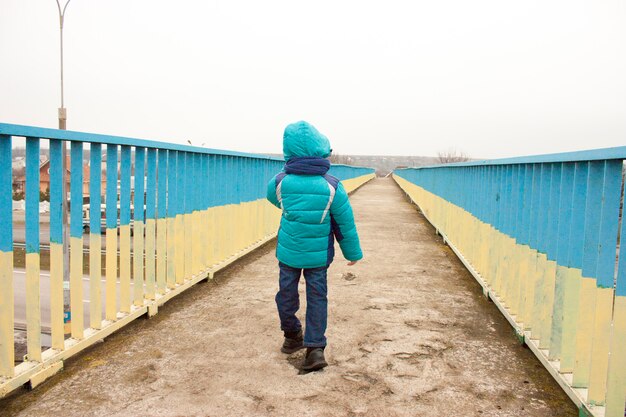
(315, 205)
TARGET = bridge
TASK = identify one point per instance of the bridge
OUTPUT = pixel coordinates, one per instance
(487, 288)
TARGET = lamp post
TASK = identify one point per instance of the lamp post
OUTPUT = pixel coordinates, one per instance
(62, 111)
(66, 238)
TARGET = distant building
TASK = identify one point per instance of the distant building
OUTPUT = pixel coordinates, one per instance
(19, 184)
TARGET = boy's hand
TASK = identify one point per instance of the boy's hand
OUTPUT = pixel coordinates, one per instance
(352, 263)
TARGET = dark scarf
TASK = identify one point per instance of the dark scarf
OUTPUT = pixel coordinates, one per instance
(307, 166)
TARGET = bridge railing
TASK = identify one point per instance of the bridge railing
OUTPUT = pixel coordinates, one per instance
(172, 216)
(352, 177)
(541, 235)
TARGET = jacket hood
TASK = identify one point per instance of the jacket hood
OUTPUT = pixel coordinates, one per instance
(301, 139)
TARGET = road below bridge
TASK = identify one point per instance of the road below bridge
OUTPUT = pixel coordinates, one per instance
(410, 334)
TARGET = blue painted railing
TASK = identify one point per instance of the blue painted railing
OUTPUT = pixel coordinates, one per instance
(346, 172)
(189, 212)
(541, 235)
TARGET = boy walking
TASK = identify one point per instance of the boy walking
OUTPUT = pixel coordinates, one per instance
(315, 211)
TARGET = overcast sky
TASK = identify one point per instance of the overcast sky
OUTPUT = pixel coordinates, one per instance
(492, 78)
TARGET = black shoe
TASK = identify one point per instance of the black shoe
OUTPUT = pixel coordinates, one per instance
(314, 359)
(293, 342)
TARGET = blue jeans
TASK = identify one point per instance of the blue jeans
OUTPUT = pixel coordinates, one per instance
(288, 303)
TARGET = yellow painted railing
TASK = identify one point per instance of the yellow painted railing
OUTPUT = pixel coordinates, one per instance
(171, 216)
(540, 235)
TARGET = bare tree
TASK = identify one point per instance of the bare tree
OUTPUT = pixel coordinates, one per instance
(19, 172)
(452, 155)
(340, 159)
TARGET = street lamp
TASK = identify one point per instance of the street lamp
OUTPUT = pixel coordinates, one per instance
(62, 111)
(66, 237)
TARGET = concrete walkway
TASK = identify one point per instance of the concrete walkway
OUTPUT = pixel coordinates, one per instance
(409, 335)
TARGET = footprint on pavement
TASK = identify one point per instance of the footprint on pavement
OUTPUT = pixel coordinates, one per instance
(349, 276)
